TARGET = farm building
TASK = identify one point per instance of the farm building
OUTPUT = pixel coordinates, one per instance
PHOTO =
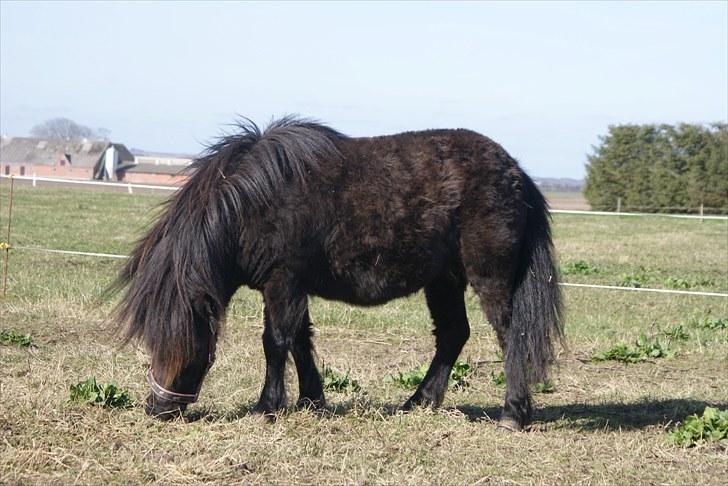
(78, 159)
(87, 159)
(151, 173)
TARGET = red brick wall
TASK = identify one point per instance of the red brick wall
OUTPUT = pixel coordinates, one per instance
(156, 179)
(56, 170)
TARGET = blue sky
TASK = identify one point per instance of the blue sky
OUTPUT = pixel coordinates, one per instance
(543, 79)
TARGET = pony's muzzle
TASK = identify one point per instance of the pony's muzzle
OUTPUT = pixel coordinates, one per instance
(163, 409)
(164, 404)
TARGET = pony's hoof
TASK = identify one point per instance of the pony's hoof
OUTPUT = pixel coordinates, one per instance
(419, 402)
(268, 413)
(411, 405)
(317, 404)
(508, 424)
(265, 417)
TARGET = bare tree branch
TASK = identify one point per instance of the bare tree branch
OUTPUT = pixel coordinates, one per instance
(65, 129)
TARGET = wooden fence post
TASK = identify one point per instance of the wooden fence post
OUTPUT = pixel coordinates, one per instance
(619, 204)
(6, 244)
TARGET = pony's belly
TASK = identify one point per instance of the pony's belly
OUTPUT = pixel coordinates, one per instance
(360, 272)
(374, 284)
(373, 293)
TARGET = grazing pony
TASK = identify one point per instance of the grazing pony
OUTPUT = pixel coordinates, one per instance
(300, 209)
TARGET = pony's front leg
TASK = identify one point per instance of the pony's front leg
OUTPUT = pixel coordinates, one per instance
(310, 388)
(284, 313)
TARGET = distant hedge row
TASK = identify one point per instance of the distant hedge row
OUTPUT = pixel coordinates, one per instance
(660, 168)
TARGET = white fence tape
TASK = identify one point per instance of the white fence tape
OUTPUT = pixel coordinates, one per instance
(564, 284)
(69, 252)
(127, 185)
(665, 215)
(640, 289)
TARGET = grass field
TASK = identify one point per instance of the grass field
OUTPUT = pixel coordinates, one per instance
(567, 200)
(604, 422)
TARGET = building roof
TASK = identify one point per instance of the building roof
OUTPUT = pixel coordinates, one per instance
(157, 169)
(31, 150)
(161, 160)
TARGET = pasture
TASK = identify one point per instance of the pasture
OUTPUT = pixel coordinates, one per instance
(600, 421)
(568, 200)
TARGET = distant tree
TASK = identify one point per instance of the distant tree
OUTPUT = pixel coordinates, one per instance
(706, 150)
(660, 167)
(65, 129)
(618, 154)
(103, 133)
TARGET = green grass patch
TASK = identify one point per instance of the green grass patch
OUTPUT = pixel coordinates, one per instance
(644, 348)
(712, 426)
(107, 395)
(459, 374)
(333, 380)
(411, 379)
(686, 283)
(547, 386)
(709, 323)
(636, 279)
(498, 379)
(12, 338)
(677, 333)
(579, 267)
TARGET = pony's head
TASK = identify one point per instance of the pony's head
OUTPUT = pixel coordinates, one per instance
(183, 273)
(167, 401)
(179, 280)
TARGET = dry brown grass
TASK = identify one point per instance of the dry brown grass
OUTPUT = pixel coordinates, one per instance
(605, 423)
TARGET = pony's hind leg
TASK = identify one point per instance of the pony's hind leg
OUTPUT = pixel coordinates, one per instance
(495, 298)
(311, 393)
(445, 299)
(490, 263)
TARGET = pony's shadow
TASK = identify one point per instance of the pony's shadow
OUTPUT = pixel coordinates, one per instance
(601, 416)
(582, 416)
(331, 410)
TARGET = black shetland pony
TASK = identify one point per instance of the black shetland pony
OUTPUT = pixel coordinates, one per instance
(300, 209)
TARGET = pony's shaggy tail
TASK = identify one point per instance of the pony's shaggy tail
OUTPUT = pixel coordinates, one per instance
(537, 318)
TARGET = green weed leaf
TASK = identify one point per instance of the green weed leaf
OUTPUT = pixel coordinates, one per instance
(105, 395)
(579, 267)
(412, 379)
(9, 338)
(711, 426)
(643, 349)
(335, 381)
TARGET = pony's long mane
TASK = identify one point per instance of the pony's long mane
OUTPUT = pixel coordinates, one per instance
(182, 274)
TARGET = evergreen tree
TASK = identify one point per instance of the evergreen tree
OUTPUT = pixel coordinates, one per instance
(660, 168)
